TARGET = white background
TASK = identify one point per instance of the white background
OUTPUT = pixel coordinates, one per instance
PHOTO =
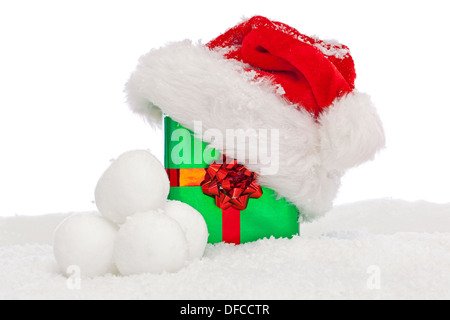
(63, 66)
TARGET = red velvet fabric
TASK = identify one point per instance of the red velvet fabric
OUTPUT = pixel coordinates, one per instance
(309, 77)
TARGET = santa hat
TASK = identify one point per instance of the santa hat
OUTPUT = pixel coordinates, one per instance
(265, 74)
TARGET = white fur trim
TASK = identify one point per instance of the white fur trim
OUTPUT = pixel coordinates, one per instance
(192, 83)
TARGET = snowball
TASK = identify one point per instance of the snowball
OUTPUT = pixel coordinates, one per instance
(193, 225)
(85, 241)
(135, 182)
(150, 242)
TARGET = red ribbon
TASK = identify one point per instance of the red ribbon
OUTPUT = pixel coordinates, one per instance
(231, 184)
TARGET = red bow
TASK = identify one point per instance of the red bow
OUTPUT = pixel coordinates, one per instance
(231, 184)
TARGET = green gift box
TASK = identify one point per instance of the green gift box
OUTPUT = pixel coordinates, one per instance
(252, 214)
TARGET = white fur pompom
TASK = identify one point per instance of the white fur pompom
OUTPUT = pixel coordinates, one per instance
(351, 132)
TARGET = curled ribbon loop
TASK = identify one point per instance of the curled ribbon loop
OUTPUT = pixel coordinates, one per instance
(231, 184)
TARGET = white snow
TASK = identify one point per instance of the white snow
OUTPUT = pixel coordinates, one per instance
(193, 225)
(134, 182)
(379, 249)
(150, 242)
(85, 241)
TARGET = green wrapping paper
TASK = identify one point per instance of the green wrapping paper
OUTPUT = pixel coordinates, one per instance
(186, 160)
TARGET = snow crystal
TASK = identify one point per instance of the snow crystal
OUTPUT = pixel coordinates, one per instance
(338, 52)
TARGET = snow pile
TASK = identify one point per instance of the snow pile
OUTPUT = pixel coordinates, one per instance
(138, 229)
(381, 249)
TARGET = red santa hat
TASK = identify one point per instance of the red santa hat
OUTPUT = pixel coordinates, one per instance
(263, 74)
